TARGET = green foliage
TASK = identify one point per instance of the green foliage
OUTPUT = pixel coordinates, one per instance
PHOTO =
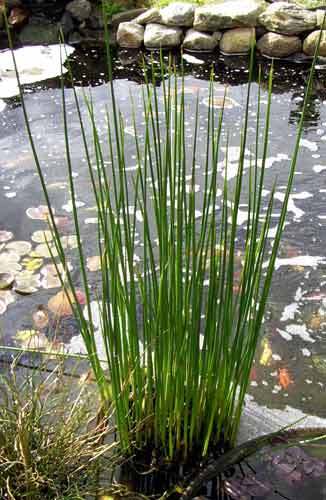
(111, 8)
(179, 333)
(49, 438)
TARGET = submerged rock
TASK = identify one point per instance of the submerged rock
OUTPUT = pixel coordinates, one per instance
(157, 36)
(276, 45)
(178, 14)
(237, 41)
(150, 16)
(130, 35)
(197, 40)
(233, 14)
(288, 19)
(310, 43)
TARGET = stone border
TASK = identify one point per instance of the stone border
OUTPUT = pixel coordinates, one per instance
(279, 29)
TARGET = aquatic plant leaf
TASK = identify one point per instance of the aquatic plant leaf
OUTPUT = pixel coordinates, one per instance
(5, 236)
(31, 339)
(40, 317)
(19, 247)
(94, 263)
(27, 282)
(42, 250)
(38, 213)
(42, 236)
(69, 242)
(32, 263)
(6, 280)
(9, 261)
(218, 101)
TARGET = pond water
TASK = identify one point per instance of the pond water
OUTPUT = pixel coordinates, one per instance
(290, 365)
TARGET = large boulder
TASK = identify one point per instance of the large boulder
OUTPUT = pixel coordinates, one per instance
(197, 40)
(157, 36)
(79, 9)
(321, 18)
(130, 35)
(149, 16)
(310, 43)
(288, 19)
(237, 41)
(178, 14)
(233, 14)
(276, 45)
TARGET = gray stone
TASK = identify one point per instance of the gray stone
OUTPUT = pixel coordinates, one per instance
(66, 23)
(130, 35)
(321, 18)
(239, 13)
(310, 43)
(125, 16)
(237, 41)
(149, 16)
(157, 36)
(276, 45)
(288, 19)
(178, 14)
(35, 34)
(197, 40)
(79, 9)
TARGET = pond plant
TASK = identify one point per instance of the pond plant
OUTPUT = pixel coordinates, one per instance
(179, 325)
(49, 434)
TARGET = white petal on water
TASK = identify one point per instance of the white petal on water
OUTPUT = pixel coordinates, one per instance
(312, 146)
(35, 63)
(289, 311)
(300, 260)
(300, 331)
(318, 168)
(69, 208)
(306, 352)
(285, 335)
(2, 105)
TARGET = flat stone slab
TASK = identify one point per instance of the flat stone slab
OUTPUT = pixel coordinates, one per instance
(233, 14)
(159, 36)
(199, 41)
(288, 19)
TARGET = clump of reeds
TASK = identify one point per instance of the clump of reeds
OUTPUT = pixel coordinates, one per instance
(178, 332)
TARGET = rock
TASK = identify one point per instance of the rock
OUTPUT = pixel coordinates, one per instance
(74, 38)
(66, 23)
(157, 36)
(18, 16)
(276, 45)
(321, 18)
(130, 35)
(197, 40)
(233, 14)
(128, 15)
(96, 21)
(79, 9)
(178, 14)
(237, 41)
(38, 34)
(288, 19)
(311, 41)
(149, 16)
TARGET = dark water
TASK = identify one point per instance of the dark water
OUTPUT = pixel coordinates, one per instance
(290, 366)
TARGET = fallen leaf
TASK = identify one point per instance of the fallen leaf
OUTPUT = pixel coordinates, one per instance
(284, 378)
(94, 263)
(38, 213)
(265, 358)
(59, 304)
